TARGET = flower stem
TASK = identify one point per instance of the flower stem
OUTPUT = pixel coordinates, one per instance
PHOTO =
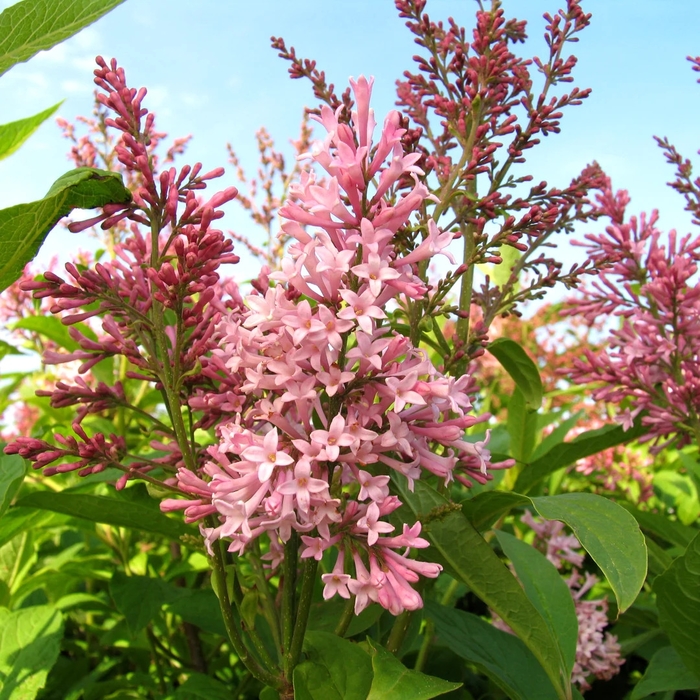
(428, 633)
(346, 618)
(398, 631)
(221, 590)
(268, 603)
(289, 572)
(308, 580)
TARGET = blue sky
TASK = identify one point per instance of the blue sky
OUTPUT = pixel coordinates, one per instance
(211, 73)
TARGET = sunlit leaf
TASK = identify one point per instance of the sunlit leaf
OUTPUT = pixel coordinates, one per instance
(14, 134)
(24, 227)
(521, 368)
(608, 533)
(30, 640)
(36, 25)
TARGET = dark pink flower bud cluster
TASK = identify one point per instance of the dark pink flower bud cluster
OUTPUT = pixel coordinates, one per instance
(649, 283)
(159, 298)
(89, 455)
(333, 400)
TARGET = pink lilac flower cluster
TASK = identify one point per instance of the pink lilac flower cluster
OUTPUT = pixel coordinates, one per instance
(650, 283)
(333, 401)
(597, 651)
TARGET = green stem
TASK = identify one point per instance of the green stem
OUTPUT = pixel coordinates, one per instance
(221, 589)
(258, 644)
(156, 660)
(428, 633)
(268, 603)
(451, 590)
(466, 288)
(398, 631)
(289, 571)
(346, 618)
(308, 581)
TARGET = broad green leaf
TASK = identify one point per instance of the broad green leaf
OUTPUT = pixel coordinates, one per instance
(666, 671)
(608, 533)
(680, 490)
(36, 25)
(30, 640)
(678, 600)
(201, 687)
(5, 350)
(24, 227)
(268, 693)
(393, 680)
(467, 557)
(522, 428)
(326, 614)
(16, 559)
(14, 134)
(109, 511)
(520, 367)
(12, 472)
(139, 598)
(547, 590)
(566, 453)
(659, 559)
(558, 433)
(486, 508)
(335, 670)
(50, 327)
(201, 608)
(501, 656)
(662, 527)
(18, 520)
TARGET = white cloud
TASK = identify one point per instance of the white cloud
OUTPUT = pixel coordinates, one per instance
(76, 87)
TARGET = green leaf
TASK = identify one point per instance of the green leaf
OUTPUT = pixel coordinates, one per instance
(336, 670)
(558, 433)
(670, 531)
(522, 428)
(12, 472)
(24, 227)
(18, 520)
(30, 640)
(139, 598)
(200, 608)
(486, 508)
(201, 687)
(520, 367)
(326, 614)
(268, 693)
(467, 557)
(16, 559)
(107, 510)
(50, 327)
(501, 656)
(36, 25)
(5, 350)
(393, 680)
(14, 134)
(566, 453)
(678, 600)
(608, 533)
(680, 490)
(666, 671)
(547, 590)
